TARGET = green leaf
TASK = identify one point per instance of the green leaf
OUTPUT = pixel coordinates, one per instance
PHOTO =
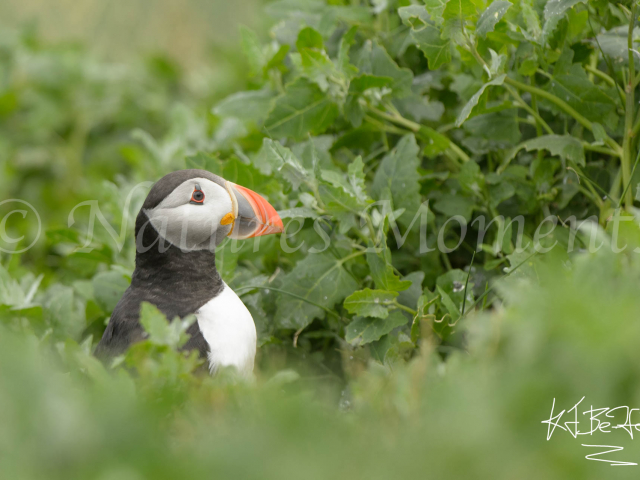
(588, 99)
(436, 8)
(466, 110)
(382, 272)
(491, 16)
(398, 172)
(274, 157)
(309, 38)
(449, 305)
(160, 331)
(451, 205)
(436, 49)
(373, 59)
(252, 50)
(455, 15)
(298, 212)
(108, 288)
(554, 11)
(366, 330)
(556, 8)
(426, 35)
(563, 146)
(370, 303)
(253, 105)
(303, 108)
(599, 133)
(318, 278)
(353, 184)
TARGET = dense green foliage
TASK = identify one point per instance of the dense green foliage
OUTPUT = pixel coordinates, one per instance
(381, 356)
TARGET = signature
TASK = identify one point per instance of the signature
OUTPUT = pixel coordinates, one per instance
(603, 420)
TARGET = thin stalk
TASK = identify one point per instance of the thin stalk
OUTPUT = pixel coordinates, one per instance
(563, 105)
(539, 120)
(627, 143)
(600, 74)
(416, 128)
(599, 149)
(405, 308)
(635, 165)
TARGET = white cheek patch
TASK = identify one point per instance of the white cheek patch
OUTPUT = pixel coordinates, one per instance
(192, 226)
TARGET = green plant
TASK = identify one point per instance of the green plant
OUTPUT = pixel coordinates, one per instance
(385, 134)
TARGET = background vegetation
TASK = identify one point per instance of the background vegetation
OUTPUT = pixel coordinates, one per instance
(377, 363)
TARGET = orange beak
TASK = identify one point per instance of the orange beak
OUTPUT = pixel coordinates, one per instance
(254, 216)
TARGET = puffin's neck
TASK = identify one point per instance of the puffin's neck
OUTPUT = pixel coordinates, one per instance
(171, 271)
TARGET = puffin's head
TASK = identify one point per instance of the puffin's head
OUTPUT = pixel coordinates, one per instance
(197, 210)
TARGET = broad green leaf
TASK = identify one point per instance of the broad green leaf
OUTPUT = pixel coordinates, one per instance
(382, 272)
(318, 279)
(614, 43)
(452, 204)
(252, 50)
(108, 288)
(466, 110)
(531, 20)
(373, 59)
(435, 48)
(64, 311)
(303, 108)
(298, 212)
(366, 330)
(309, 38)
(491, 16)
(317, 67)
(564, 146)
(364, 82)
(456, 13)
(360, 85)
(588, 99)
(416, 14)
(274, 157)
(253, 105)
(426, 35)
(449, 305)
(436, 9)
(410, 296)
(353, 183)
(370, 303)
(556, 8)
(160, 331)
(346, 41)
(356, 178)
(336, 199)
(599, 133)
(398, 172)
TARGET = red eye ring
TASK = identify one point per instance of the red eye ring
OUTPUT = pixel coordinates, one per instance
(197, 197)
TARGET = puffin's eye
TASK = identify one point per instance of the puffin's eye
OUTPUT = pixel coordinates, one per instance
(197, 197)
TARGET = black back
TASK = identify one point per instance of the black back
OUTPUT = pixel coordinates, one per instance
(178, 283)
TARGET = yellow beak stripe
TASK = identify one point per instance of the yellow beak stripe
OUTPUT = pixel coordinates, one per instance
(227, 219)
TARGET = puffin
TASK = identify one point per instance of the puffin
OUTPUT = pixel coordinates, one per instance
(185, 216)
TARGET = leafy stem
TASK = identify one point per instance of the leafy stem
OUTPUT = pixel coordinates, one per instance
(415, 128)
(564, 106)
(627, 143)
(404, 307)
(520, 102)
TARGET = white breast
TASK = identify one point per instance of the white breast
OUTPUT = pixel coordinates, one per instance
(228, 328)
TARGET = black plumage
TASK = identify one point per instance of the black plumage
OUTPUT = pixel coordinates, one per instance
(177, 282)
